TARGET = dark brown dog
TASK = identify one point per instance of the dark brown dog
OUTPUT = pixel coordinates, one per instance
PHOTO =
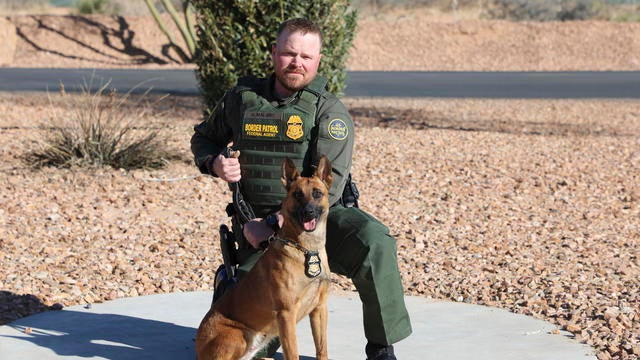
(289, 282)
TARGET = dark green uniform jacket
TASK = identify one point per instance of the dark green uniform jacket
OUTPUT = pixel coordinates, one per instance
(254, 120)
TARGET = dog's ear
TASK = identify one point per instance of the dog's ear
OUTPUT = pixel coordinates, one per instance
(324, 171)
(289, 173)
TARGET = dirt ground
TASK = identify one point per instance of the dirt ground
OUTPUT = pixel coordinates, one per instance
(391, 40)
(527, 205)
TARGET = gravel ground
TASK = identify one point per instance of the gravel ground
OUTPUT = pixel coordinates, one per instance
(532, 206)
(526, 205)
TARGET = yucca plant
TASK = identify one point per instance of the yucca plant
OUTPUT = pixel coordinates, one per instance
(186, 28)
(98, 131)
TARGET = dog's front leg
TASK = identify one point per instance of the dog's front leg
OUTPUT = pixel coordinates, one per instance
(318, 319)
(287, 329)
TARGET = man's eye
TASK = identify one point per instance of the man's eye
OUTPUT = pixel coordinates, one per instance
(317, 194)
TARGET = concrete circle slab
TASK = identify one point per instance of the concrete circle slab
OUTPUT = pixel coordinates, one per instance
(163, 327)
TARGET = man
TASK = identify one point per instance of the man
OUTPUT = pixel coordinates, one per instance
(291, 115)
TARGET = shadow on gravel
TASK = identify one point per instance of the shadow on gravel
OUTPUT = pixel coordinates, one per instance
(14, 306)
(420, 120)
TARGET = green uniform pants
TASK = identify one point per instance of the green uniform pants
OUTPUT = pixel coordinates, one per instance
(360, 247)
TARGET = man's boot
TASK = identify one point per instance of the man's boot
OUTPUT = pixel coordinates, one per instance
(379, 352)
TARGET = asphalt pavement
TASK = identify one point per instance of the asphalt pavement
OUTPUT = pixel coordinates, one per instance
(507, 85)
(163, 326)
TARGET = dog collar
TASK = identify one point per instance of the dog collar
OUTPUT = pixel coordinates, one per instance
(312, 263)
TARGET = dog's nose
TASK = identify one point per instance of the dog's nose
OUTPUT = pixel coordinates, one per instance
(309, 211)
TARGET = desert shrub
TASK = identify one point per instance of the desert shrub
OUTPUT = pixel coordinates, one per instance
(625, 13)
(545, 10)
(98, 131)
(391, 4)
(86, 7)
(11, 7)
(22, 4)
(235, 38)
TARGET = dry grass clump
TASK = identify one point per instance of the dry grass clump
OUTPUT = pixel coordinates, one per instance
(98, 132)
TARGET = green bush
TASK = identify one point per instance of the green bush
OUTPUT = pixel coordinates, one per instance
(87, 7)
(98, 131)
(235, 38)
(545, 10)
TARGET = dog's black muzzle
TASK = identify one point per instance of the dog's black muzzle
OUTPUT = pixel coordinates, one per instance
(309, 214)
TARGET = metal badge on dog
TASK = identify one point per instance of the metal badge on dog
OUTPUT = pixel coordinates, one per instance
(312, 265)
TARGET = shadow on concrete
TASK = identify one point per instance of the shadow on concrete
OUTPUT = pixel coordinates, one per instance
(111, 336)
(107, 336)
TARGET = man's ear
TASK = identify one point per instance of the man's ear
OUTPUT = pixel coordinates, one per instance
(289, 173)
(324, 171)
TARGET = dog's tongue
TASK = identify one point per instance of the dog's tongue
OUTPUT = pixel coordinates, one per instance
(310, 225)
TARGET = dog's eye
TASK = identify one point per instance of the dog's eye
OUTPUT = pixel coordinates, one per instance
(298, 194)
(317, 194)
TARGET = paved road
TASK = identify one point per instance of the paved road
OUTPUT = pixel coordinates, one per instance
(359, 83)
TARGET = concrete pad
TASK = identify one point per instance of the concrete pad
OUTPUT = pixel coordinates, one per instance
(163, 327)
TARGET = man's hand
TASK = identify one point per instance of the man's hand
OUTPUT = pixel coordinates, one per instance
(227, 169)
(256, 231)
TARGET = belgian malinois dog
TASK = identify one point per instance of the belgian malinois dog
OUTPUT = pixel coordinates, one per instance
(289, 281)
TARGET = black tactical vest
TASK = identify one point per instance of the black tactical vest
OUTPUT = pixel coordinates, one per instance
(270, 133)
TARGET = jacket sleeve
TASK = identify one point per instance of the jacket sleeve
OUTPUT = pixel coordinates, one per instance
(335, 139)
(212, 135)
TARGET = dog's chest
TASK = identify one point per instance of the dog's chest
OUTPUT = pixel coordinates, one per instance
(310, 296)
(257, 342)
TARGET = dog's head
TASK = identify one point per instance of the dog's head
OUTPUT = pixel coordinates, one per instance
(307, 197)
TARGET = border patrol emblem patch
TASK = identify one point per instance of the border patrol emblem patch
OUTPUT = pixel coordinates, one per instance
(338, 129)
(294, 127)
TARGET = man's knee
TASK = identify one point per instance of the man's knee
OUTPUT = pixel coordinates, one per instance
(357, 241)
(381, 260)
(375, 237)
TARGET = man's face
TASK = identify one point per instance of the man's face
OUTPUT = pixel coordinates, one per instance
(296, 57)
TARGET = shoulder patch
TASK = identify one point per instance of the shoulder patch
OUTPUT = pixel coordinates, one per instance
(338, 129)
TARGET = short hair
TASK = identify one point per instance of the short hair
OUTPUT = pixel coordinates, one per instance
(302, 25)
